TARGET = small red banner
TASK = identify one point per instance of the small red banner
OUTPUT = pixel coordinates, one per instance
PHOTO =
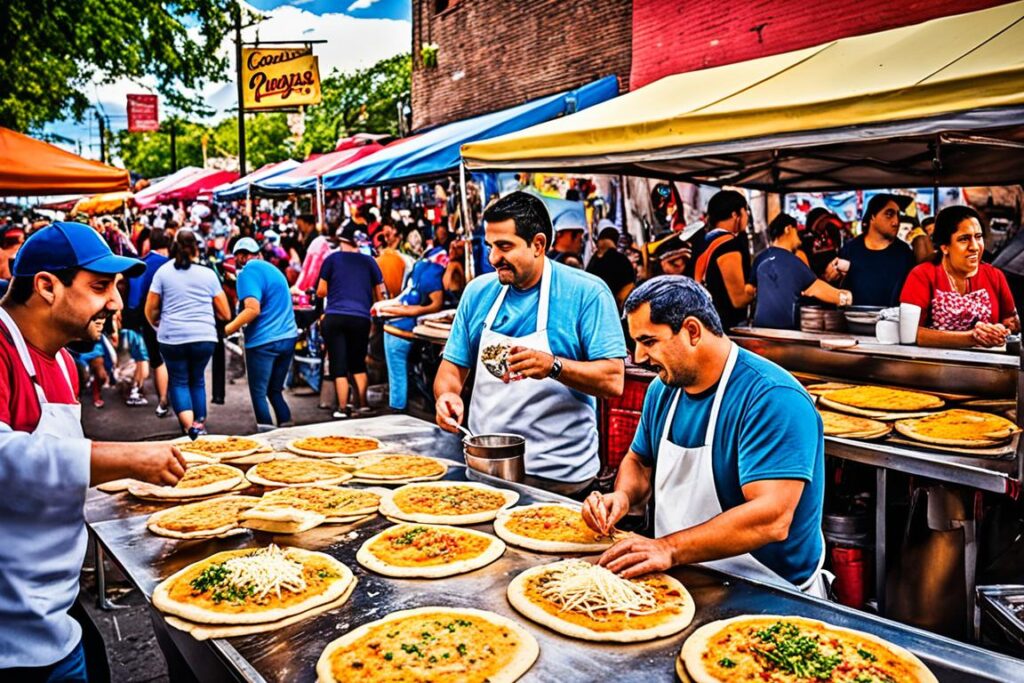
(142, 113)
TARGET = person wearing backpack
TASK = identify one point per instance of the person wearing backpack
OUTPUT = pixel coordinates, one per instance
(723, 266)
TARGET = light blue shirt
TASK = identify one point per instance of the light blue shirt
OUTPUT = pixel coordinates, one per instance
(186, 303)
(583, 321)
(262, 281)
(767, 429)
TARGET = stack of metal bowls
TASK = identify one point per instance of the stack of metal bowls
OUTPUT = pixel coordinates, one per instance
(862, 319)
(821, 319)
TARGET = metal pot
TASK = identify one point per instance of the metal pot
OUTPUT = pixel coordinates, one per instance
(499, 455)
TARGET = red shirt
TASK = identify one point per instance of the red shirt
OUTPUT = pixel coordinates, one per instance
(926, 278)
(19, 405)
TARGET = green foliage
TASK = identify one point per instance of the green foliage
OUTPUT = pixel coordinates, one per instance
(52, 50)
(364, 101)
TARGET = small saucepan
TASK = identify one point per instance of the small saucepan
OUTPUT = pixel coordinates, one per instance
(499, 455)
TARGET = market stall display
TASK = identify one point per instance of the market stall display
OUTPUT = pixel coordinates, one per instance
(439, 644)
(879, 402)
(297, 509)
(198, 481)
(791, 649)
(550, 528)
(447, 503)
(213, 518)
(399, 468)
(428, 551)
(298, 472)
(587, 601)
(851, 426)
(221, 447)
(959, 427)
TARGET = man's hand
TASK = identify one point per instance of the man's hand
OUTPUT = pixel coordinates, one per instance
(832, 271)
(602, 512)
(637, 555)
(449, 406)
(156, 463)
(525, 362)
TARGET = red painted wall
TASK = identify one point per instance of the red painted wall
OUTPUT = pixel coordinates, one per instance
(673, 37)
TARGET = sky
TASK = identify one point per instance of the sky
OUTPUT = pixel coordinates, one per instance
(359, 33)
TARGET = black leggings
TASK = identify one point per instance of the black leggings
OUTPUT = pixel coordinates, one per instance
(346, 338)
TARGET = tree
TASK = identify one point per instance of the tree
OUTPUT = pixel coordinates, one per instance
(52, 50)
(267, 139)
(364, 101)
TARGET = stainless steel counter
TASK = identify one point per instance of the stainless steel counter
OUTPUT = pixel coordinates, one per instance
(290, 654)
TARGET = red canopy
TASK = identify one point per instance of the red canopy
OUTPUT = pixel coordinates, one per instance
(190, 187)
(33, 167)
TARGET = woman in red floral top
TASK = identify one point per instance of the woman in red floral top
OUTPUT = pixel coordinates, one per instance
(964, 302)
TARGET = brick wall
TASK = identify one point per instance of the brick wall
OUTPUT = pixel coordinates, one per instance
(495, 54)
(673, 37)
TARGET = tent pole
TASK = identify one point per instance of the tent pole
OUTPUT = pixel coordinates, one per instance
(467, 225)
(320, 203)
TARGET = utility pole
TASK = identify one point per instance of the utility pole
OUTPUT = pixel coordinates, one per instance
(241, 90)
(174, 143)
(103, 137)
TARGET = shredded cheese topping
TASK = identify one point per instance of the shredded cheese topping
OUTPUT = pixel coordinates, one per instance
(265, 570)
(577, 585)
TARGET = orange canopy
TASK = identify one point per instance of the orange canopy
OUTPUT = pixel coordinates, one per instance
(33, 167)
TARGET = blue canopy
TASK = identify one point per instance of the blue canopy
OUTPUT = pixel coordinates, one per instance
(238, 189)
(436, 152)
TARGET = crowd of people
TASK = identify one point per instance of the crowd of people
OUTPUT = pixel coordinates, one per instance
(212, 273)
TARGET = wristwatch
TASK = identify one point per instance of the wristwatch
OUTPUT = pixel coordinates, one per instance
(556, 368)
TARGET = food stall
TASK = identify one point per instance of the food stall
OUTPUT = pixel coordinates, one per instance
(118, 523)
(900, 108)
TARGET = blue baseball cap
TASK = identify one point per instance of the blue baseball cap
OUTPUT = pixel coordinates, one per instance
(64, 245)
(246, 244)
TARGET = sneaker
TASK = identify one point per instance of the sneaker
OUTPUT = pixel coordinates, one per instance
(339, 415)
(364, 410)
(97, 402)
(197, 430)
(162, 410)
(135, 398)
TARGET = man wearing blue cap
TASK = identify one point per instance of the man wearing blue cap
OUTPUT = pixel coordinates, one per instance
(270, 332)
(64, 288)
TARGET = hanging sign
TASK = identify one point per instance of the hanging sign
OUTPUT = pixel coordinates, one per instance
(274, 78)
(142, 113)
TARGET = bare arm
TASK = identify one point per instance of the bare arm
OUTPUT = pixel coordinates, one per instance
(249, 312)
(731, 266)
(604, 378)
(153, 309)
(221, 308)
(321, 289)
(408, 311)
(155, 463)
(1012, 323)
(379, 293)
(448, 394)
(764, 518)
(823, 291)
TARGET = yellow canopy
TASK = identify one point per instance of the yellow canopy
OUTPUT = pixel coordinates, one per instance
(102, 203)
(861, 111)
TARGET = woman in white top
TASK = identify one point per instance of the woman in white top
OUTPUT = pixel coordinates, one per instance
(181, 306)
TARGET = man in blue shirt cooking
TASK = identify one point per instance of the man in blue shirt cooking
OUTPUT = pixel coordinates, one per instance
(729, 447)
(560, 328)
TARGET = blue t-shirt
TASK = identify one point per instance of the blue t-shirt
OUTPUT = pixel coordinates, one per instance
(583, 321)
(780, 278)
(876, 277)
(264, 282)
(767, 429)
(426, 277)
(138, 287)
(186, 303)
(351, 278)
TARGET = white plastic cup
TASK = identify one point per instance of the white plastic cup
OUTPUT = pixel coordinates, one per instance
(887, 332)
(910, 318)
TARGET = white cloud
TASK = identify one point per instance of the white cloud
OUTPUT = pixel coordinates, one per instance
(361, 4)
(353, 43)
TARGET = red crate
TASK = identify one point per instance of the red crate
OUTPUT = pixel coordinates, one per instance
(619, 431)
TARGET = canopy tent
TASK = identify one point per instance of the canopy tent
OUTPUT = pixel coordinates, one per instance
(102, 203)
(149, 197)
(303, 177)
(940, 103)
(33, 167)
(184, 187)
(436, 152)
(239, 189)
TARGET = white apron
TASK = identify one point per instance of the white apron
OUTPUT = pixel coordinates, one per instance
(685, 494)
(560, 429)
(60, 526)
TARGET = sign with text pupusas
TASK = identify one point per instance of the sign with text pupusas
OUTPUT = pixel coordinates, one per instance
(277, 78)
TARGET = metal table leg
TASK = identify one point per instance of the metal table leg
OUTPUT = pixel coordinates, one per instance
(881, 502)
(101, 579)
